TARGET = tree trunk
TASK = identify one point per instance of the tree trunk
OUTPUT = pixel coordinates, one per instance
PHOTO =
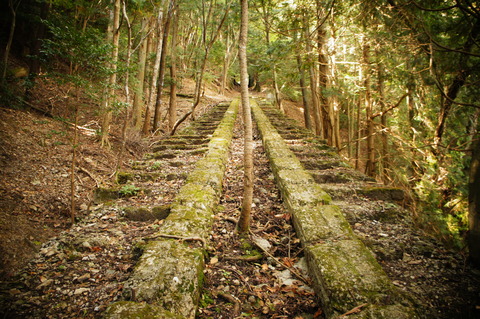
(333, 105)
(161, 75)
(244, 221)
(227, 60)
(172, 107)
(323, 101)
(200, 72)
(474, 205)
(156, 68)
(370, 164)
(306, 106)
(358, 121)
(313, 82)
(107, 111)
(13, 9)
(38, 34)
(383, 120)
(138, 100)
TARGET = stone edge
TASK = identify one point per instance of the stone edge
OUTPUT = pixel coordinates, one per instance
(345, 273)
(195, 224)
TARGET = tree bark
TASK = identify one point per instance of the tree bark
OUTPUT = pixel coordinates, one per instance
(244, 221)
(161, 75)
(474, 205)
(13, 9)
(313, 82)
(156, 68)
(172, 107)
(107, 111)
(383, 118)
(370, 164)
(138, 100)
(306, 106)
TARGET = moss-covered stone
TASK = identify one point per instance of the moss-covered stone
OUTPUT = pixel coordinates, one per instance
(137, 310)
(197, 196)
(396, 311)
(320, 223)
(323, 164)
(346, 274)
(297, 196)
(124, 177)
(145, 214)
(102, 194)
(169, 274)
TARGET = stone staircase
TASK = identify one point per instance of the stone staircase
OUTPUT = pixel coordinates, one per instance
(321, 191)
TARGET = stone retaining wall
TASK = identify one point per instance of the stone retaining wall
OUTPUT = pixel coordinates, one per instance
(345, 272)
(167, 280)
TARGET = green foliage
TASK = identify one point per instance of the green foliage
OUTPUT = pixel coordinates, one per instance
(129, 190)
(206, 300)
(86, 50)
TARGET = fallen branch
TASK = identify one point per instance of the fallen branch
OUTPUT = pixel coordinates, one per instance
(355, 310)
(90, 175)
(233, 300)
(292, 269)
(243, 258)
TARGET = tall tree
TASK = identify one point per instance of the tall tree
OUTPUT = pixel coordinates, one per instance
(138, 101)
(163, 60)
(474, 205)
(113, 36)
(156, 69)
(244, 221)
(172, 107)
(13, 5)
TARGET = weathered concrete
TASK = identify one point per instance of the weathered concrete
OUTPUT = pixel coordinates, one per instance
(168, 278)
(345, 272)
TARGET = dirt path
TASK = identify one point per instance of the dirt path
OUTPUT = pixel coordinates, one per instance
(240, 277)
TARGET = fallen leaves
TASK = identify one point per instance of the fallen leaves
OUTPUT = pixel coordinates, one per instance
(248, 269)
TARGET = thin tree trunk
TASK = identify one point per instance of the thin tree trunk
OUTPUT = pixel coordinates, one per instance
(200, 72)
(156, 68)
(127, 90)
(172, 107)
(370, 164)
(306, 106)
(244, 221)
(230, 43)
(358, 121)
(161, 75)
(333, 105)
(72, 169)
(138, 100)
(313, 82)
(383, 119)
(107, 115)
(323, 101)
(474, 205)
(13, 10)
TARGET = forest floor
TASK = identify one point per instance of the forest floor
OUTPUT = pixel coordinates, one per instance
(35, 168)
(35, 165)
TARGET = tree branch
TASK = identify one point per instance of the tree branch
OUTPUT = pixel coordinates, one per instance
(390, 108)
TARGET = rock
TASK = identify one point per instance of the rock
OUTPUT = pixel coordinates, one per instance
(262, 243)
(80, 291)
(44, 284)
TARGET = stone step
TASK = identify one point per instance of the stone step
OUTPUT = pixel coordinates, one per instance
(342, 191)
(339, 175)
